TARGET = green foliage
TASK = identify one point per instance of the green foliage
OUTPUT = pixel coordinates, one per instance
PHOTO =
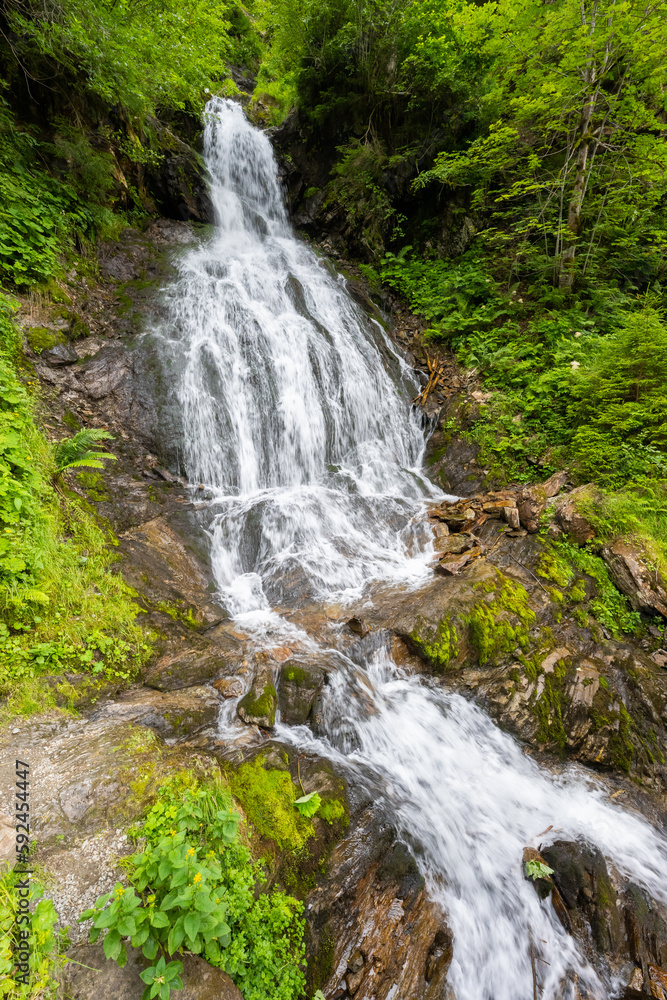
(308, 805)
(268, 797)
(620, 403)
(161, 979)
(457, 298)
(60, 608)
(558, 562)
(142, 56)
(537, 869)
(76, 452)
(45, 945)
(193, 888)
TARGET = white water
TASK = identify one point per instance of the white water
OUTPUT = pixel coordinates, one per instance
(296, 409)
(297, 417)
(467, 799)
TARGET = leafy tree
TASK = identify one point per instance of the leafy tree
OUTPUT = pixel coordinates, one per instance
(572, 148)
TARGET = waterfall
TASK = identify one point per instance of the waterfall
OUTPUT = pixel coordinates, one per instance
(467, 800)
(297, 421)
(295, 406)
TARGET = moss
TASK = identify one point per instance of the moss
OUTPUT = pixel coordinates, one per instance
(552, 566)
(267, 797)
(491, 631)
(320, 966)
(40, 338)
(94, 485)
(261, 706)
(297, 675)
(549, 707)
(332, 810)
(578, 591)
(439, 647)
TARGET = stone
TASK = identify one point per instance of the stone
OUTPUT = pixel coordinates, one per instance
(511, 516)
(258, 706)
(7, 839)
(184, 668)
(90, 976)
(300, 683)
(173, 713)
(568, 517)
(60, 354)
(454, 544)
(555, 483)
(628, 567)
(229, 687)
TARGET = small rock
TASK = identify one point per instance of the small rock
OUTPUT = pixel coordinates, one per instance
(511, 516)
(358, 626)
(229, 687)
(574, 524)
(300, 683)
(60, 354)
(258, 706)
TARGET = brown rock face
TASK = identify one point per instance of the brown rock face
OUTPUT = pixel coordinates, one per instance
(628, 566)
(570, 520)
(375, 932)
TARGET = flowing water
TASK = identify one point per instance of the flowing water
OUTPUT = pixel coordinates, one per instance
(297, 419)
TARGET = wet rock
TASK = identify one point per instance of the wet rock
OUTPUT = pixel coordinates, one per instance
(185, 667)
(373, 932)
(91, 976)
(60, 354)
(454, 544)
(258, 706)
(162, 563)
(229, 687)
(175, 713)
(358, 626)
(629, 568)
(570, 520)
(582, 878)
(300, 683)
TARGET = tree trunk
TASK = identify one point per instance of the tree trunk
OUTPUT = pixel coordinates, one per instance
(566, 274)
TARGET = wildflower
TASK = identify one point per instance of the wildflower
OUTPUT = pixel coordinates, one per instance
(151, 899)
(190, 851)
(574, 365)
(578, 333)
(196, 879)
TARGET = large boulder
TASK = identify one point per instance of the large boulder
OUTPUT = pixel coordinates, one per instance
(91, 976)
(300, 684)
(632, 571)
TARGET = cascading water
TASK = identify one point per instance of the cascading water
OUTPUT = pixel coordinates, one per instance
(468, 800)
(296, 417)
(296, 410)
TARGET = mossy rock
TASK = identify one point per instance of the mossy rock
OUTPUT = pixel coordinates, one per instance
(259, 705)
(299, 686)
(42, 338)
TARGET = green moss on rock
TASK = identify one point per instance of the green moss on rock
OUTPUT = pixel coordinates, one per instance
(440, 646)
(259, 707)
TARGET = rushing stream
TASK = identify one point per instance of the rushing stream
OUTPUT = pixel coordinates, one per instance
(297, 421)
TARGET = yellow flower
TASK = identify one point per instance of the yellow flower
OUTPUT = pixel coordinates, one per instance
(197, 878)
(190, 851)
(173, 833)
(151, 899)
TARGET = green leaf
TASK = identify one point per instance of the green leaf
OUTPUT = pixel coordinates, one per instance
(176, 936)
(537, 869)
(112, 944)
(192, 923)
(308, 804)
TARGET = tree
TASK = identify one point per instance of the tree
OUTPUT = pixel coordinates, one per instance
(574, 147)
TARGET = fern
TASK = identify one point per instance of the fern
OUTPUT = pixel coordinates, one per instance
(77, 452)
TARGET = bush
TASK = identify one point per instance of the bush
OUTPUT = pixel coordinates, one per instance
(193, 887)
